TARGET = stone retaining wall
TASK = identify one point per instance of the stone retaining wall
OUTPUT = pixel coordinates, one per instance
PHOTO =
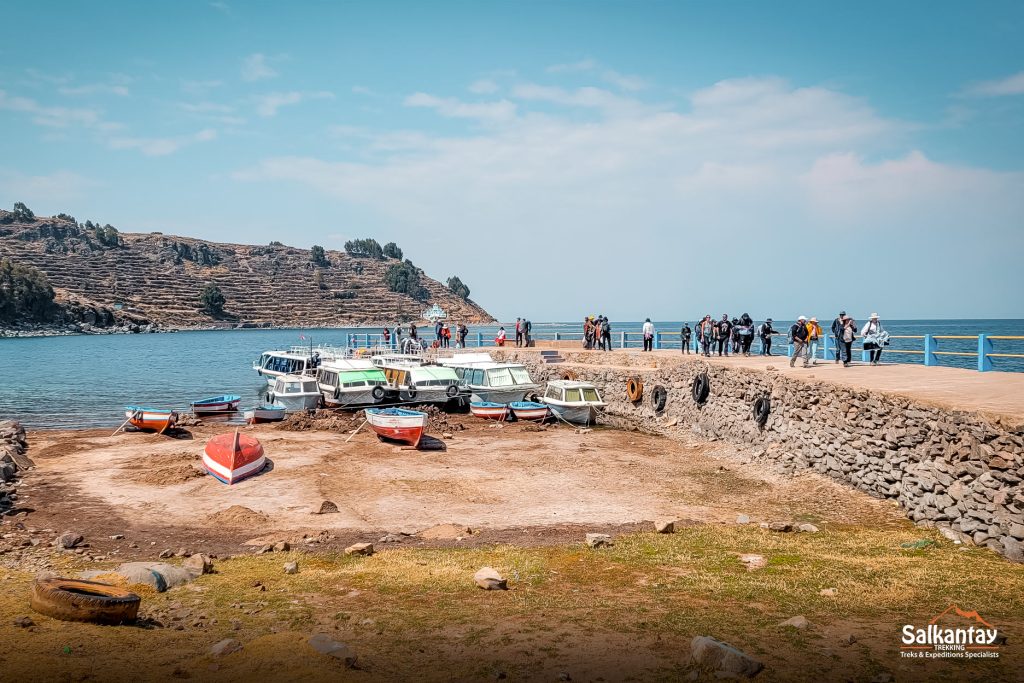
(957, 470)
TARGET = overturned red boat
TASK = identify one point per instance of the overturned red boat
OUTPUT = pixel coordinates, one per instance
(233, 457)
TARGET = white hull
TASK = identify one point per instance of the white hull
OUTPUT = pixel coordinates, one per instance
(297, 402)
(503, 395)
(584, 415)
(358, 397)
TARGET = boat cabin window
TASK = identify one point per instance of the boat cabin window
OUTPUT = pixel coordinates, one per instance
(520, 375)
(477, 378)
(499, 377)
(328, 378)
(291, 387)
(572, 395)
(591, 395)
(554, 392)
(309, 387)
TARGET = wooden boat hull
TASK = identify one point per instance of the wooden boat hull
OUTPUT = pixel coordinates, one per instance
(527, 410)
(261, 415)
(396, 424)
(220, 404)
(230, 458)
(490, 411)
(150, 419)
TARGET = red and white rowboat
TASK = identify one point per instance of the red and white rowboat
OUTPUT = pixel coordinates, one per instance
(528, 410)
(489, 411)
(397, 424)
(150, 418)
(233, 457)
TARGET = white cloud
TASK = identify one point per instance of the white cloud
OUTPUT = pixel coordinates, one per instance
(754, 169)
(484, 86)
(625, 81)
(95, 89)
(502, 110)
(255, 67)
(573, 67)
(1011, 85)
(53, 117)
(155, 147)
(54, 188)
(268, 105)
(200, 87)
(362, 90)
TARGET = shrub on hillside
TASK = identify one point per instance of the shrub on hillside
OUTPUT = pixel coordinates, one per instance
(391, 250)
(404, 278)
(458, 287)
(23, 213)
(25, 293)
(212, 299)
(318, 256)
(108, 235)
(367, 248)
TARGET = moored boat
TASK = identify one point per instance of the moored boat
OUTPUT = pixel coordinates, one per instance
(572, 401)
(413, 383)
(295, 393)
(489, 411)
(154, 419)
(490, 382)
(228, 403)
(264, 413)
(233, 457)
(397, 424)
(346, 383)
(528, 410)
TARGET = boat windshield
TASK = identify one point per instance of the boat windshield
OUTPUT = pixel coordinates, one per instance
(310, 387)
(520, 375)
(590, 394)
(572, 395)
(553, 392)
(500, 377)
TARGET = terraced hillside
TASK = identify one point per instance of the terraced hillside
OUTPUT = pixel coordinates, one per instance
(160, 277)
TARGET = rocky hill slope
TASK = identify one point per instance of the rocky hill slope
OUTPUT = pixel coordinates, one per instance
(157, 279)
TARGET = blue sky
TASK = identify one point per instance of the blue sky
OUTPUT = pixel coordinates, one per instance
(659, 159)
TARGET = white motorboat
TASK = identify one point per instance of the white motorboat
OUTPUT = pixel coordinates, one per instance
(295, 393)
(576, 402)
(491, 382)
(295, 361)
(351, 382)
(421, 383)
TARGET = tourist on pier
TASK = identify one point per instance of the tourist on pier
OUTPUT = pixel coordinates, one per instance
(847, 333)
(734, 336)
(527, 332)
(463, 331)
(765, 332)
(685, 334)
(706, 334)
(875, 337)
(412, 332)
(598, 332)
(837, 331)
(385, 336)
(606, 334)
(746, 333)
(500, 339)
(648, 332)
(398, 336)
(813, 335)
(446, 336)
(724, 329)
(798, 336)
(519, 331)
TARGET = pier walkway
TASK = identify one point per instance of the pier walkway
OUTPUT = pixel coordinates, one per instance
(997, 394)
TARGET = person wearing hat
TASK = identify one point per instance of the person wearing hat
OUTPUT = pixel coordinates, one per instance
(798, 336)
(765, 332)
(813, 335)
(874, 338)
(847, 334)
(837, 332)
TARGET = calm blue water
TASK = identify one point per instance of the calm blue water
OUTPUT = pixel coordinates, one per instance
(85, 381)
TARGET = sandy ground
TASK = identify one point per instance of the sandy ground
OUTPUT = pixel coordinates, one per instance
(499, 480)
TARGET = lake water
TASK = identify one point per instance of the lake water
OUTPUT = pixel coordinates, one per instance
(85, 381)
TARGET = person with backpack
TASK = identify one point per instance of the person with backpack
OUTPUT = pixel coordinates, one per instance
(837, 332)
(765, 332)
(606, 334)
(813, 335)
(847, 334)
(875, 337)
(685, 334)
(724, 330)
(462, 331)
(798, 338)
(746, 333)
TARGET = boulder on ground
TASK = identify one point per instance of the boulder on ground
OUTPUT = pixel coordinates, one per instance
(69, 540)
(798, 622)
(665, 526)
(781, 527)
(723, 658)
(291, 567)
(225, 647)
(326, 507)
(325, 645)
(359, 549)
(807, 528)
(490, 580)
(281, 547)
(198, 564)
(753, 561)
(599, 540)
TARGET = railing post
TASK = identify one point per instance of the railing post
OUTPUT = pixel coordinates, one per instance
(929, 351)
(479, 338)
(865, 355)
(622, 340)
(657, 340)
(789, 350)
(826, 350)
(984, 348)
(558, 336)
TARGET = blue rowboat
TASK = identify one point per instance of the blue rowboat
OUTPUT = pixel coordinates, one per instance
(264, 413)
(528, 410)
(489, 411)
(228, 403)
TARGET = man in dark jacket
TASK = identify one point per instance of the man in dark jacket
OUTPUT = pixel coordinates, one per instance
(799, 335)
(724, 330)
(685, 334)
(765, 332)
(527, 331)
(837, 333)
(606, 334)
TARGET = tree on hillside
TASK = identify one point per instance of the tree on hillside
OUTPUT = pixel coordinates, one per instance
(457, 287)
(367, 248)
(23, 213)
(391, 250)
(24, 293)
(318, 256)
(108, 236)
(404, 278)
(212, 299)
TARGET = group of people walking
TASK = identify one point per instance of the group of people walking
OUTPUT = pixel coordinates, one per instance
(724, 335)
(597, 333)
(413, 342)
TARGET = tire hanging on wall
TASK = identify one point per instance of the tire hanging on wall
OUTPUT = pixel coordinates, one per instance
(701, 388)
(659, 397)
(762, 408)
(634, 389)
(569, 375)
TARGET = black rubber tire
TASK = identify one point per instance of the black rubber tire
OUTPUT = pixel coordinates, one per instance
(762, 408)
(377, 393)
(659, 398)
(452, 391)
(533, 398)
(411, 391)
(337, 392)
(77, 600)
(701, 388)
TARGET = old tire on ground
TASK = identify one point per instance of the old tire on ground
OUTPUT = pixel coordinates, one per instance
(77, 600)
(701, 388)
(762, 408)
(569, 375)
(634, 389)
(659, 397)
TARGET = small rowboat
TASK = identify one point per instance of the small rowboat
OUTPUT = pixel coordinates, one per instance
(397, 424)
(489, 411)
(218, 404)
(264, 413)
(528, 410)
(233, 457)
(153, 419)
